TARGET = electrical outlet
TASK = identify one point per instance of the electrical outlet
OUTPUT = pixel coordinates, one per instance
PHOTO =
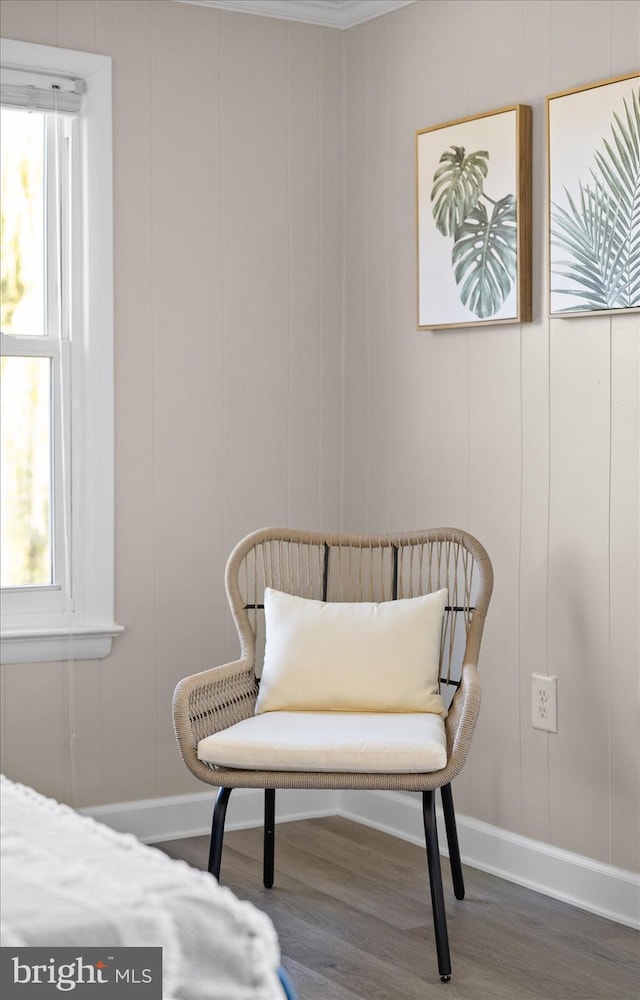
(544, 702)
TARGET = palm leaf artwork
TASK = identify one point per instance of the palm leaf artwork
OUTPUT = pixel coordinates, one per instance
(484, 257)
(484, 248)
(588, 232)
(599, 229)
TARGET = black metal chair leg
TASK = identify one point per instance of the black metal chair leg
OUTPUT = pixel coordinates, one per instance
(452, 841)
(217, 830)
(435, 881)
(269, 835)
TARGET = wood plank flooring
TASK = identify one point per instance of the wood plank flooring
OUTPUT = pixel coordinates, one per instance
(353, 914)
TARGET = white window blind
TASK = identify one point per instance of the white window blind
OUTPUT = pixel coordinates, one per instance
(40, 91)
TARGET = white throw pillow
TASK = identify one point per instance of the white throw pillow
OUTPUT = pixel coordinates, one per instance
(362, 657)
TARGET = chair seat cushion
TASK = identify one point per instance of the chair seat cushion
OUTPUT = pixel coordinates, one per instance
(331, 741)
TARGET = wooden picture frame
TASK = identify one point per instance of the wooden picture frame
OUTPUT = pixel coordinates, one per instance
(593, 210)
(473, 207)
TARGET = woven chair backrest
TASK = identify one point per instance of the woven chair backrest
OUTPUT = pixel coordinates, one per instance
(330, 567)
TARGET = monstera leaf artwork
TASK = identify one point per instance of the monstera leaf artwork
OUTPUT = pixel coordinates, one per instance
(457, 185)
(597, 228)
(484, 257)
(474, 220)
(484, 246)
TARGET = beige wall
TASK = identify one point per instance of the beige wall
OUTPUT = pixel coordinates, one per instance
(525, 435)
(228, 347)
(229, 294)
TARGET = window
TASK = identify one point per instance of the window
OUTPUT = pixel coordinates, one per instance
(57, 347)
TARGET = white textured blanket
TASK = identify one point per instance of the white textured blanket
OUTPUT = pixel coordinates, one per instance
(67, 880)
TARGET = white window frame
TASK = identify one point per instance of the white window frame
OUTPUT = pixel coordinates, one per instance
(82, 625)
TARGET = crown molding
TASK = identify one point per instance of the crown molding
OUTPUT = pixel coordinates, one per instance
(340, 14)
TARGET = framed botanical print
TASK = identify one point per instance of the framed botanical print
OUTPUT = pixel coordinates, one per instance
(593, 135)
(474, 220)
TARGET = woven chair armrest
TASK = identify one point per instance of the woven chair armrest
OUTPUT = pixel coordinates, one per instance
(209, 702)
(461, 720)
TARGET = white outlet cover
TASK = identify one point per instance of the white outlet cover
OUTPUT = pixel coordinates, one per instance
(544, 702)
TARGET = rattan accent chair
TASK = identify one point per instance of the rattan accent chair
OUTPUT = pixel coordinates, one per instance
(345, 568)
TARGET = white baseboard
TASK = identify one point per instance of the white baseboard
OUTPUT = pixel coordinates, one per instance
(179, 816)
(590, 885)
(599, 888)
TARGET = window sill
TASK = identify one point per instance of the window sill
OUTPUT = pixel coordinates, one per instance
(45, 645)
